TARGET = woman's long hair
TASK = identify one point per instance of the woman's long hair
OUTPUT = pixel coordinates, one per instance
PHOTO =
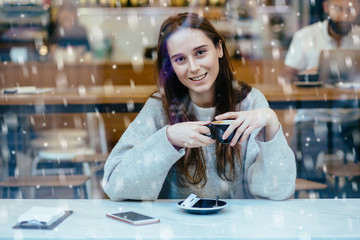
(176, 100)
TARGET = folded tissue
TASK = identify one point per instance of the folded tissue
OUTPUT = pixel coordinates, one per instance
(40, 216)
(25, 90)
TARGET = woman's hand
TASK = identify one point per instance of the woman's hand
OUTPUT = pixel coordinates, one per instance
(189, 134)
(248, 121)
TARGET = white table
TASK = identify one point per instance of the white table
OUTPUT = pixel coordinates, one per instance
(242, 219)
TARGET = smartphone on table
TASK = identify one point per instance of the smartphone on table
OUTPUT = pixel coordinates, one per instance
(133, 218)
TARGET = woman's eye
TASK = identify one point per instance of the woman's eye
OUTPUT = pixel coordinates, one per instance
(179, 59)
(200, 52)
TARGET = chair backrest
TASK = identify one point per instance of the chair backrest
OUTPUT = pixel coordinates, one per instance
(87, 128)
(97, 133)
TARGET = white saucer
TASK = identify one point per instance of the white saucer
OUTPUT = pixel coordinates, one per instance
(308, 84)
(204, 206)
(349, 85)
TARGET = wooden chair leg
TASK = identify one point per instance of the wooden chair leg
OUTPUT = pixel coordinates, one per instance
(84, 191)
(13, 191)
(76, 192)
(80, 190)
(5, 192)
(10, 192)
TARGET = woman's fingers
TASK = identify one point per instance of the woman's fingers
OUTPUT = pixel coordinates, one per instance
(233, 126)
(203, 130)
(199, 135)
(189, 134)
(238, 132)
(245, 122)
(198, 139)
(205, 140)
(246, 133)
(242, 133)
(228, 115)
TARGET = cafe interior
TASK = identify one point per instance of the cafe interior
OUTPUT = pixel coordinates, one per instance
(65, 104)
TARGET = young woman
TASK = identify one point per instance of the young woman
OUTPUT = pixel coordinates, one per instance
(165, 152)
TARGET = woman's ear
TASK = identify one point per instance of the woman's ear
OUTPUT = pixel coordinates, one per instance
(220, 49)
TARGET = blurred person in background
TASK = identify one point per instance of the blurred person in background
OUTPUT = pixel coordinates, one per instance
(69, 40)
(338, 31)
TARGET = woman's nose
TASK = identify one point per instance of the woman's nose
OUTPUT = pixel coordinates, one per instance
(193, 65)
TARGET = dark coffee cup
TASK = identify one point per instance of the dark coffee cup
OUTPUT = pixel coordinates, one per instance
(308, 77)
(217, 130)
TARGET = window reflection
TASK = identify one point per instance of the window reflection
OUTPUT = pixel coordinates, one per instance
(77, 53)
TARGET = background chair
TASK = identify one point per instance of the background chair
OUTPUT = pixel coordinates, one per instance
(346, 179)
(60, 159)
(313, 189)
(76, 182)
(324, 146)
(57, 147)
(55, 150)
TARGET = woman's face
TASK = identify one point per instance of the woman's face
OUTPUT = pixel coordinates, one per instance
(195, 61)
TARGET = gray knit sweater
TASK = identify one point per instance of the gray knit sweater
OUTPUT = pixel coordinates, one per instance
(138, 166)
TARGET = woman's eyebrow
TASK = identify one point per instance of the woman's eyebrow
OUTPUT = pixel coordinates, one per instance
(175, 56)
(196, 48)
(202, 46)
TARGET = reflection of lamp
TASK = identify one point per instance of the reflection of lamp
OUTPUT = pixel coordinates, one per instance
(197, 3)
(178, 3)
(123, 3)
(217, 2)
(43, 51)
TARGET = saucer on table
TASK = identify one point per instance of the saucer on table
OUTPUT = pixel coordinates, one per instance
(308, 80)
(204, 206)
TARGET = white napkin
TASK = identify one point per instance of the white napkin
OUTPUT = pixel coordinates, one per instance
(26, 90)
(40, 216)
(190, 201)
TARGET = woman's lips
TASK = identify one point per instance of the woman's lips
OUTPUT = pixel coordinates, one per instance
(198, 78)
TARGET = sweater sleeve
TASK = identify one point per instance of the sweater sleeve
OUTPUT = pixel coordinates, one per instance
(139, 163)
(270, 166)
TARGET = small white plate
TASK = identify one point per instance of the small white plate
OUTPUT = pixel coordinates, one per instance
(204, 206)
(308, 84)
(349, 85)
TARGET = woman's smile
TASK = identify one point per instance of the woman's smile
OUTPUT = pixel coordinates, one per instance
(199, 77)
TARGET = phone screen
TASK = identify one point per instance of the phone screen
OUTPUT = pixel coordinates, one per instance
(133, 216)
